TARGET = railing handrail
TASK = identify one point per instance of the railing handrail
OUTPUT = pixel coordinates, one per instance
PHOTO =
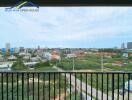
(110, 72)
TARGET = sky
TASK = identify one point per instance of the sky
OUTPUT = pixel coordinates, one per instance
(68, 27)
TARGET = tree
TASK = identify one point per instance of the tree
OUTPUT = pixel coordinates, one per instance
(42, 64)
(19, 65)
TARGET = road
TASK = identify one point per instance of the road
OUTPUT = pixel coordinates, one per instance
(84, 86)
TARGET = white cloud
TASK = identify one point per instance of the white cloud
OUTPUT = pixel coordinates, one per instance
(70, 23)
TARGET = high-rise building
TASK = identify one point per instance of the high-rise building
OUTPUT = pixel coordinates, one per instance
(22, 49)
(122, 46)
(7, 47)
(129, 45)
(38, 47)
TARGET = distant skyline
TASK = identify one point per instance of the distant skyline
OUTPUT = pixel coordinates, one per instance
(76, 27)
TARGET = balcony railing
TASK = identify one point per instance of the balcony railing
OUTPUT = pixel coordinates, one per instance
(65, 86)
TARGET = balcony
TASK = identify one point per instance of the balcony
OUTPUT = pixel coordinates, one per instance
(65, 86)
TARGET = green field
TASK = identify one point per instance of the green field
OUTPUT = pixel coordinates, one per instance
(28, 91)
(93, 62)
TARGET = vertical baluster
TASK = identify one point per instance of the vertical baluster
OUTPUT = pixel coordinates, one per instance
(102, 86)
(59, 86)
(107, 85)
(38, 86)
(2, 94)
(12, 88)
(28, 86)
(123, 87)
(7, 85)
(97, 86)
(91, 86)
(65, 86)
(22, 86)
(81, 85)
(75, 87)
(43, 86)
(17, 86)
(112, 86)
(33, 86)
(118, 86)
(70, 86)
(49, 86)
(128, 86)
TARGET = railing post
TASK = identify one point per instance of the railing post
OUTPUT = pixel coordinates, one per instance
(22, 86)
(2, 94)
(70, 86)
(75, 87)
(43, 86)
(102, 86)
(112, 86)
(128, 86)
(123, 87)
(7, 85)
(33, 86)
(54, 86)
(95, 87)
(107, 85)
(91, 85)
(38, 86)
(65, 86)
(28, 86)
(118, 87)
(17, 86)
(49, 86)
(12, 87)
(86, 85)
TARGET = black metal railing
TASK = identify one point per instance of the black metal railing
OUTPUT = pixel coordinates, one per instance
(65, 86)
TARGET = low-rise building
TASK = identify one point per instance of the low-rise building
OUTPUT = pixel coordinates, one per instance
(26, 58)
(12, 57)
(24, 54)
(118, 63)
(56, 57)
(70, 55)
(16, 50)
(1, 59)
(47, 55)
(35, 59)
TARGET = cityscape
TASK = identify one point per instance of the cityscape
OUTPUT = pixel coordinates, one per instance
(31, 56)
(66, 53)
(68, 59)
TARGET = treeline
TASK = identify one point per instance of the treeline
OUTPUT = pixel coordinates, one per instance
(110, 50)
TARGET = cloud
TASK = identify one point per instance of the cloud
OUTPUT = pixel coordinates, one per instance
(67, 24)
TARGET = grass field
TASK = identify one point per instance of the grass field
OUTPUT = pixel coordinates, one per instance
(45, 88)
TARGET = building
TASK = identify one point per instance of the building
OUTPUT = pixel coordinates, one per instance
(16, 50)
(3, 51)
(125, 54)
(22, 49)
(56, 57)
(129, 45)
(1, 58)
(7, 46)
(24, 54)
(118, 63)
(122, 46)
(47, 55)
(11, 58)
(38, 47)
(70, 55)
(35, 59)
